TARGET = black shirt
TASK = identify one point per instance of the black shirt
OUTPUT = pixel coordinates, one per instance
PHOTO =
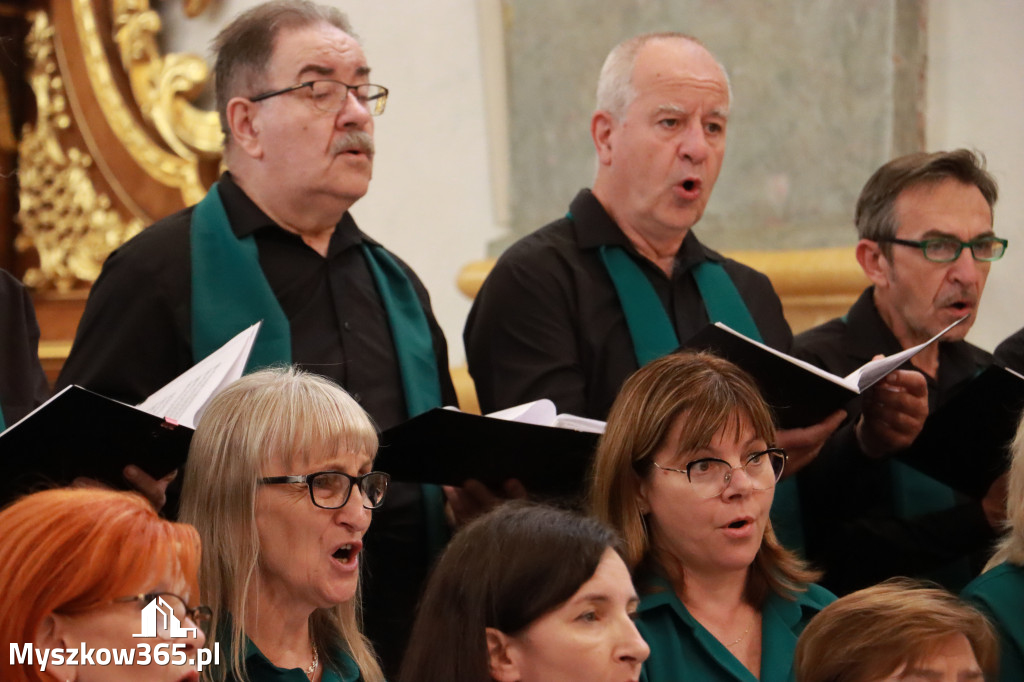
(547, 322)
(1010, 352)
(135, 336)
(23, 384)
(849, 500)
(136, 332)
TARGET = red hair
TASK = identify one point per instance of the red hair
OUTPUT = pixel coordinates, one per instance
(69, 550)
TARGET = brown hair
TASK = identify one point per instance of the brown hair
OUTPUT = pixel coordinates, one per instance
(875, 217)
(244, 47)
(69, 550)
(501, 572)
(872, 633)
(711, 393)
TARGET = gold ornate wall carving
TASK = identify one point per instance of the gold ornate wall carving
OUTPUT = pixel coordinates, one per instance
(117, 142)
(69, 223)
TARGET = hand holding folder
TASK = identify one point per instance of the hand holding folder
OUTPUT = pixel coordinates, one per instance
(80, 434)
(800, 393)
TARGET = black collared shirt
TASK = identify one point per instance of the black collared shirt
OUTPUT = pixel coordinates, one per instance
(547, 322)
(848, 500)
(135, 334)
(1010, 351)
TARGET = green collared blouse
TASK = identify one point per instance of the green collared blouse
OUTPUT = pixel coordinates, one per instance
(999, 593)
(682, 649)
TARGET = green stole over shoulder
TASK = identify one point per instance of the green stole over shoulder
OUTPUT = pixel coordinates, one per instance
(230, 293)
(3, 424)
(654, 335)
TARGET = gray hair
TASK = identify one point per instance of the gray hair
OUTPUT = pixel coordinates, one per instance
(261, 418)
(615, 84)
(244, 47)
(875, 217)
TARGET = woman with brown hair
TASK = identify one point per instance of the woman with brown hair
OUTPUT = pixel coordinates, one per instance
(686, 473)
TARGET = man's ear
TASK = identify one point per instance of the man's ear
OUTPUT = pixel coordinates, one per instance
(873, 262)
(244, 123)
(602, 125)
(52, 634)
(500, 657)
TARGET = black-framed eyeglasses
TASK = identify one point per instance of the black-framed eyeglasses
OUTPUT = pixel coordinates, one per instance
(710, 476)
(331, 489)
(948, 249)
(199, 614)
(330, 96)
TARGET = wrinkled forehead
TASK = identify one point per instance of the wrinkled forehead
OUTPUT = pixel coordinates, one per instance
(316, 50)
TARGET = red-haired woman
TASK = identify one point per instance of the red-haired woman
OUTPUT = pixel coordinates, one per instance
(78, 567)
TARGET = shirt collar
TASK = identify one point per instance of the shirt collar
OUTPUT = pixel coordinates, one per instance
(594, 228)
(870, 335)
(246, 218)
(790, 611)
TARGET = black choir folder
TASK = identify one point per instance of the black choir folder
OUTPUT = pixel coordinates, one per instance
(550, 454)
(965, 442)
(800, 393)
(79, 433)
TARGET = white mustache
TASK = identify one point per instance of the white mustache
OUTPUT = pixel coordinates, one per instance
(353, 140)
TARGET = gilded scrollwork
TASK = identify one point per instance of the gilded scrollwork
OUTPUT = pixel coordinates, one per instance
(164, 86)
(169, 168)
(71, 225)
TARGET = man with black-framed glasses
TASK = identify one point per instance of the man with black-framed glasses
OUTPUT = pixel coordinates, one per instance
(274, 240)
(927, 243)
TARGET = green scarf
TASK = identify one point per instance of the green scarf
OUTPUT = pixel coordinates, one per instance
(230, 293)
(653, 336)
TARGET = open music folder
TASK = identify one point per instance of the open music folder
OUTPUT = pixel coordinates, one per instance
(549, 454)
(800, 393)
(80, 433)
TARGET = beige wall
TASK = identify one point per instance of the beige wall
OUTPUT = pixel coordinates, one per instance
(439, 189)
(976, 99)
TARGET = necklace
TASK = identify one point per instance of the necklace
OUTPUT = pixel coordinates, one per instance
(311, 670)
(740, 638)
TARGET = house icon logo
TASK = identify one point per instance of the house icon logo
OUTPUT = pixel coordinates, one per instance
(158, 614)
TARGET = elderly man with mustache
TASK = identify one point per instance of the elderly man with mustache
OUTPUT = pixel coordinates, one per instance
(926, 244)
(274, 241)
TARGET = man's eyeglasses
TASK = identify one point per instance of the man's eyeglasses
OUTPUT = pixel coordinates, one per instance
(331, 489)
(331, 96)
(947, 249)
(711, 476)
(199, 614)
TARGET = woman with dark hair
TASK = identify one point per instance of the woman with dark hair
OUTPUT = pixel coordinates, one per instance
(686, 473)
(527, 593)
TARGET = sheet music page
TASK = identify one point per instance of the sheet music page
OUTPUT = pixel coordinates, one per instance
(183, 399)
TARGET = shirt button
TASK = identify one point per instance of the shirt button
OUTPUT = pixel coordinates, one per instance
(347, 326)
